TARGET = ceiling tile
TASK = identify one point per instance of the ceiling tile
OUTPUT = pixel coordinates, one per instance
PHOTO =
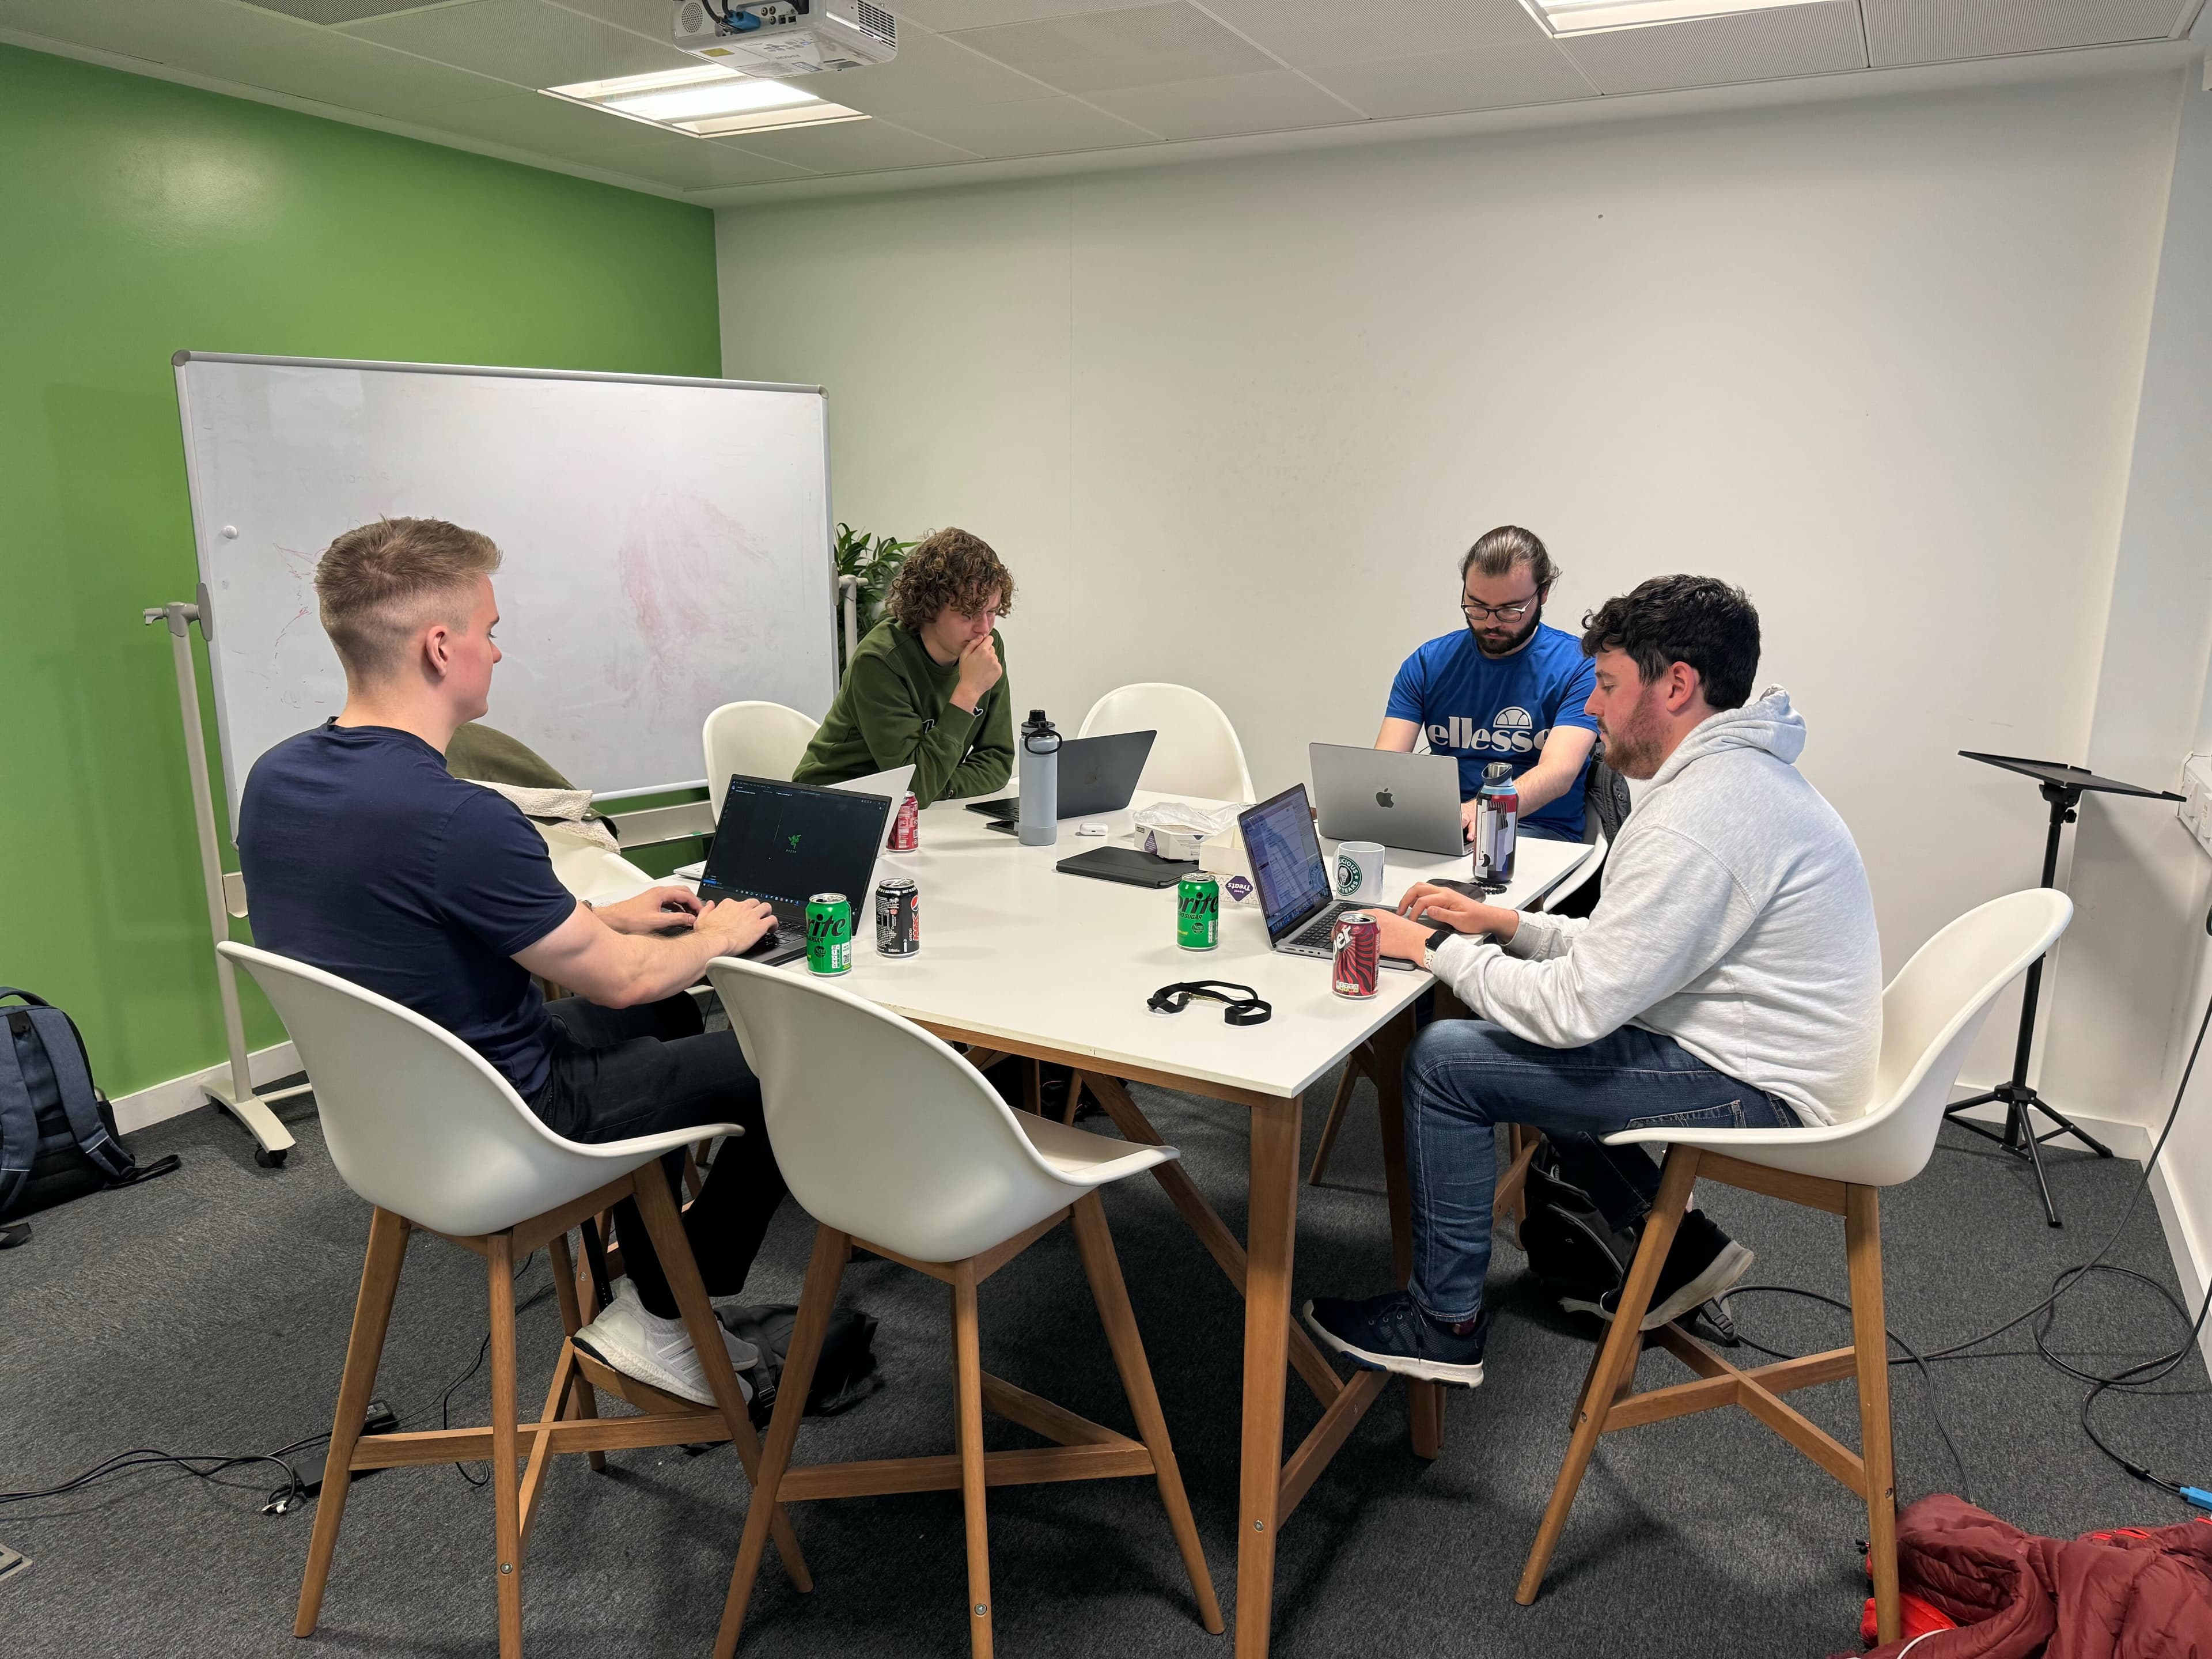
(1489, 77)
(1272, 100)
(854, 146)
(1041, 126)
(945, 15)
(525, 41)
(930, 72)
(1933, 30)
(338, 11)
(1820, 38)
(698, 164)
(649, 18)
(1321, 34)
(1141, 47)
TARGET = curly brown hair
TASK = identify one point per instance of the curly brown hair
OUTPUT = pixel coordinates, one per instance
(947, 567)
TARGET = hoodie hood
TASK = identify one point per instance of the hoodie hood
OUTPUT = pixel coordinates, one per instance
(1767, 723)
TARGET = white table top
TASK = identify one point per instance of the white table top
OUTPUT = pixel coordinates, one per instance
(1014, 949)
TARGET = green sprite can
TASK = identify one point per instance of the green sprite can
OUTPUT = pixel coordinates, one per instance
(1198, 912)
(830, 933)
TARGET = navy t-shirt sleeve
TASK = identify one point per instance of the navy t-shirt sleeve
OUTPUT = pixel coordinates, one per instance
(1574, 698)
(1409, 691)
(496, 877)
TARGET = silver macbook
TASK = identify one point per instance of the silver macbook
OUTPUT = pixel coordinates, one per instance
(1378, 794)
(1300, 906)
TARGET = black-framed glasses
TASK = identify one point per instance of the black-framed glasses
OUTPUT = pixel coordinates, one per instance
(1511, 613)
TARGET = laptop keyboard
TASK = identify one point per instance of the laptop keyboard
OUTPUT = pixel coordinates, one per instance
(1320, 932)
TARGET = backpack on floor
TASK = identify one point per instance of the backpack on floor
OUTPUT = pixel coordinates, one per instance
(57, 1137)
(844, 1375)
(1579, 1255)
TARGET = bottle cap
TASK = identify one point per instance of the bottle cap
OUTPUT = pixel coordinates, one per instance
(1036, 717)
(1496, 770)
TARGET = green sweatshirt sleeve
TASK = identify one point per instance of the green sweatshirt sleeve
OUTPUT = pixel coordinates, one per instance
(990, 762)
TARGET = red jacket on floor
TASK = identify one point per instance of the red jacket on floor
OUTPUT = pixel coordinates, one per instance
(2134, 1593)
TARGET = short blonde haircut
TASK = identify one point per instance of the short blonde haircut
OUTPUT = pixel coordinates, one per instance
(378, 584)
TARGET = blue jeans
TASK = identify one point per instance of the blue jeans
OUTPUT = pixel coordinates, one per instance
(1463, 1077)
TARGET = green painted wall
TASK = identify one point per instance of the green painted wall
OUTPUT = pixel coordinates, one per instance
(137, 218)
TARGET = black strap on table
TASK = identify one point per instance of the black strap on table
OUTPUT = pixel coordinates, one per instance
(1243, 1003)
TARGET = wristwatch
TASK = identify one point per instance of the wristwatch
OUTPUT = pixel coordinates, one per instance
(1437, 937)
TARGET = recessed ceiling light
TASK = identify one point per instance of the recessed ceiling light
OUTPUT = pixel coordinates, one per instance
(1587, 16)
(706, 102)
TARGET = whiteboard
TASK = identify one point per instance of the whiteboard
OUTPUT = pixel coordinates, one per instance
(665, 544)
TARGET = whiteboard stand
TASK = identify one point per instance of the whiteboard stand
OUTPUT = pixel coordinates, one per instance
(236, 1096)
(848, 603)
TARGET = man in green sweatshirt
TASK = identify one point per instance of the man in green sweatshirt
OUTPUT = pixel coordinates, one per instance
(928, 687)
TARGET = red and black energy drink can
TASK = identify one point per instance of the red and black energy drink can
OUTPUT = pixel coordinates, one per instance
(898, 917)
(1357, 944)
(905, 828)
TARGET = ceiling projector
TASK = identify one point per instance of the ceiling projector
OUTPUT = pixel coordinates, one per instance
(781, 39)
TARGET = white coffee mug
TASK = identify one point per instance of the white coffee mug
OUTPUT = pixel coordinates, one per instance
(1360, 871)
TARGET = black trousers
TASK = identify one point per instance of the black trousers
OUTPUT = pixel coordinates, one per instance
(623, 1072)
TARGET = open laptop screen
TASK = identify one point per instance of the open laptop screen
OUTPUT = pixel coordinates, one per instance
(1287, 864)
(785, 843)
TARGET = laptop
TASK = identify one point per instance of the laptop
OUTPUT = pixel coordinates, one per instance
(893, 783)
(783, 843)
(1097, 775)
(1382, 795)
(1295, 895)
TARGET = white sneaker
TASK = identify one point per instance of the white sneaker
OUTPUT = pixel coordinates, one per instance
(659, 1350)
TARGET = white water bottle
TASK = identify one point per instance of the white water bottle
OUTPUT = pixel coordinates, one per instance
(1038, 818)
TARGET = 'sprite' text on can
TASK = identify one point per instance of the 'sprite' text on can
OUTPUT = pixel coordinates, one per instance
(1198, 912)
(898, 918)
(906, 827)
(830, 933)
(1357, 953)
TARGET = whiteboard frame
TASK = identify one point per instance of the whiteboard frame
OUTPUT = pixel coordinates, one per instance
(179, 360)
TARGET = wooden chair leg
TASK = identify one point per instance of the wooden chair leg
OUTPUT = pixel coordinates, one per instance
(1513, 1185)
(1032, 1086)
(693, 1180)
(586, 1398)
(371, 1313)
(1354, 1069)
(1871, 1337)
(506, 1482)
(666, 1228)
(1616, 1363)
(968, 1367)
(1102, 1268)
(816, 1299)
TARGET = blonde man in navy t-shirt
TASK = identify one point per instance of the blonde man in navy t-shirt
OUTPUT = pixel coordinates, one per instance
(1504, 688)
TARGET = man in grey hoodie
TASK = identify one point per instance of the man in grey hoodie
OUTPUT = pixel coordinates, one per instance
(1730, 976)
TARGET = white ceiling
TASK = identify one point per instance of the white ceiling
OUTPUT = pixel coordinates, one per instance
(980, 81)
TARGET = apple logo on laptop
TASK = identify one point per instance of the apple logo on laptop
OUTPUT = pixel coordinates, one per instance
(1382, 799)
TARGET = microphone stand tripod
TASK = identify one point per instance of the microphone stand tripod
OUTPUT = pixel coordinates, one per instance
(2062, 787)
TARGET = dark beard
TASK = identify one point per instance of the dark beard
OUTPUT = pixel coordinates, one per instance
(1527, 632)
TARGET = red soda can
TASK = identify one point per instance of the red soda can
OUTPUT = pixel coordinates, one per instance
(1357, 947)
(905, 828)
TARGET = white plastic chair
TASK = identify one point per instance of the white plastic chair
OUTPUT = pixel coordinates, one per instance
(760, 739)
(1931, 1013)
(1196, 752)
(590, 871)
(421, 1126)
(894, 1142)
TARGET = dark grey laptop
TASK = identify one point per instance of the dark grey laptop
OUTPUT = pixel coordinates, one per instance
(783, 843)
(1300, 906)
(1097, 775)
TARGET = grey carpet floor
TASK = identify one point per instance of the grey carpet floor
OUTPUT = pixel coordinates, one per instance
(208, 1313)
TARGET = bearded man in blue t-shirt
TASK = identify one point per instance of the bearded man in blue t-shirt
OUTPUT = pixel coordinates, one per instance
(1504, 688)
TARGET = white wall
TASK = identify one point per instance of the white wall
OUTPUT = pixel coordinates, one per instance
(2138, 967)
(1230, 423)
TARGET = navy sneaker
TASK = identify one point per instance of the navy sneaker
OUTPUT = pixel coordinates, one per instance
(1391, 1333)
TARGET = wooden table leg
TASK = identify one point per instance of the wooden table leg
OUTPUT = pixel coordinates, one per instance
(1269, 1241)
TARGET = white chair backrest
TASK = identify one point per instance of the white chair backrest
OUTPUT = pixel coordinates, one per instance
(1584, 873)
(589, 870)
(760, 739)
(1931, 1013)
(417, 1121)
(1196, 752)
(880, 1129)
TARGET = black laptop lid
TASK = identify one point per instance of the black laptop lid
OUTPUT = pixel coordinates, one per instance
(1097, 775)
(1287, 864)
(785, 842)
